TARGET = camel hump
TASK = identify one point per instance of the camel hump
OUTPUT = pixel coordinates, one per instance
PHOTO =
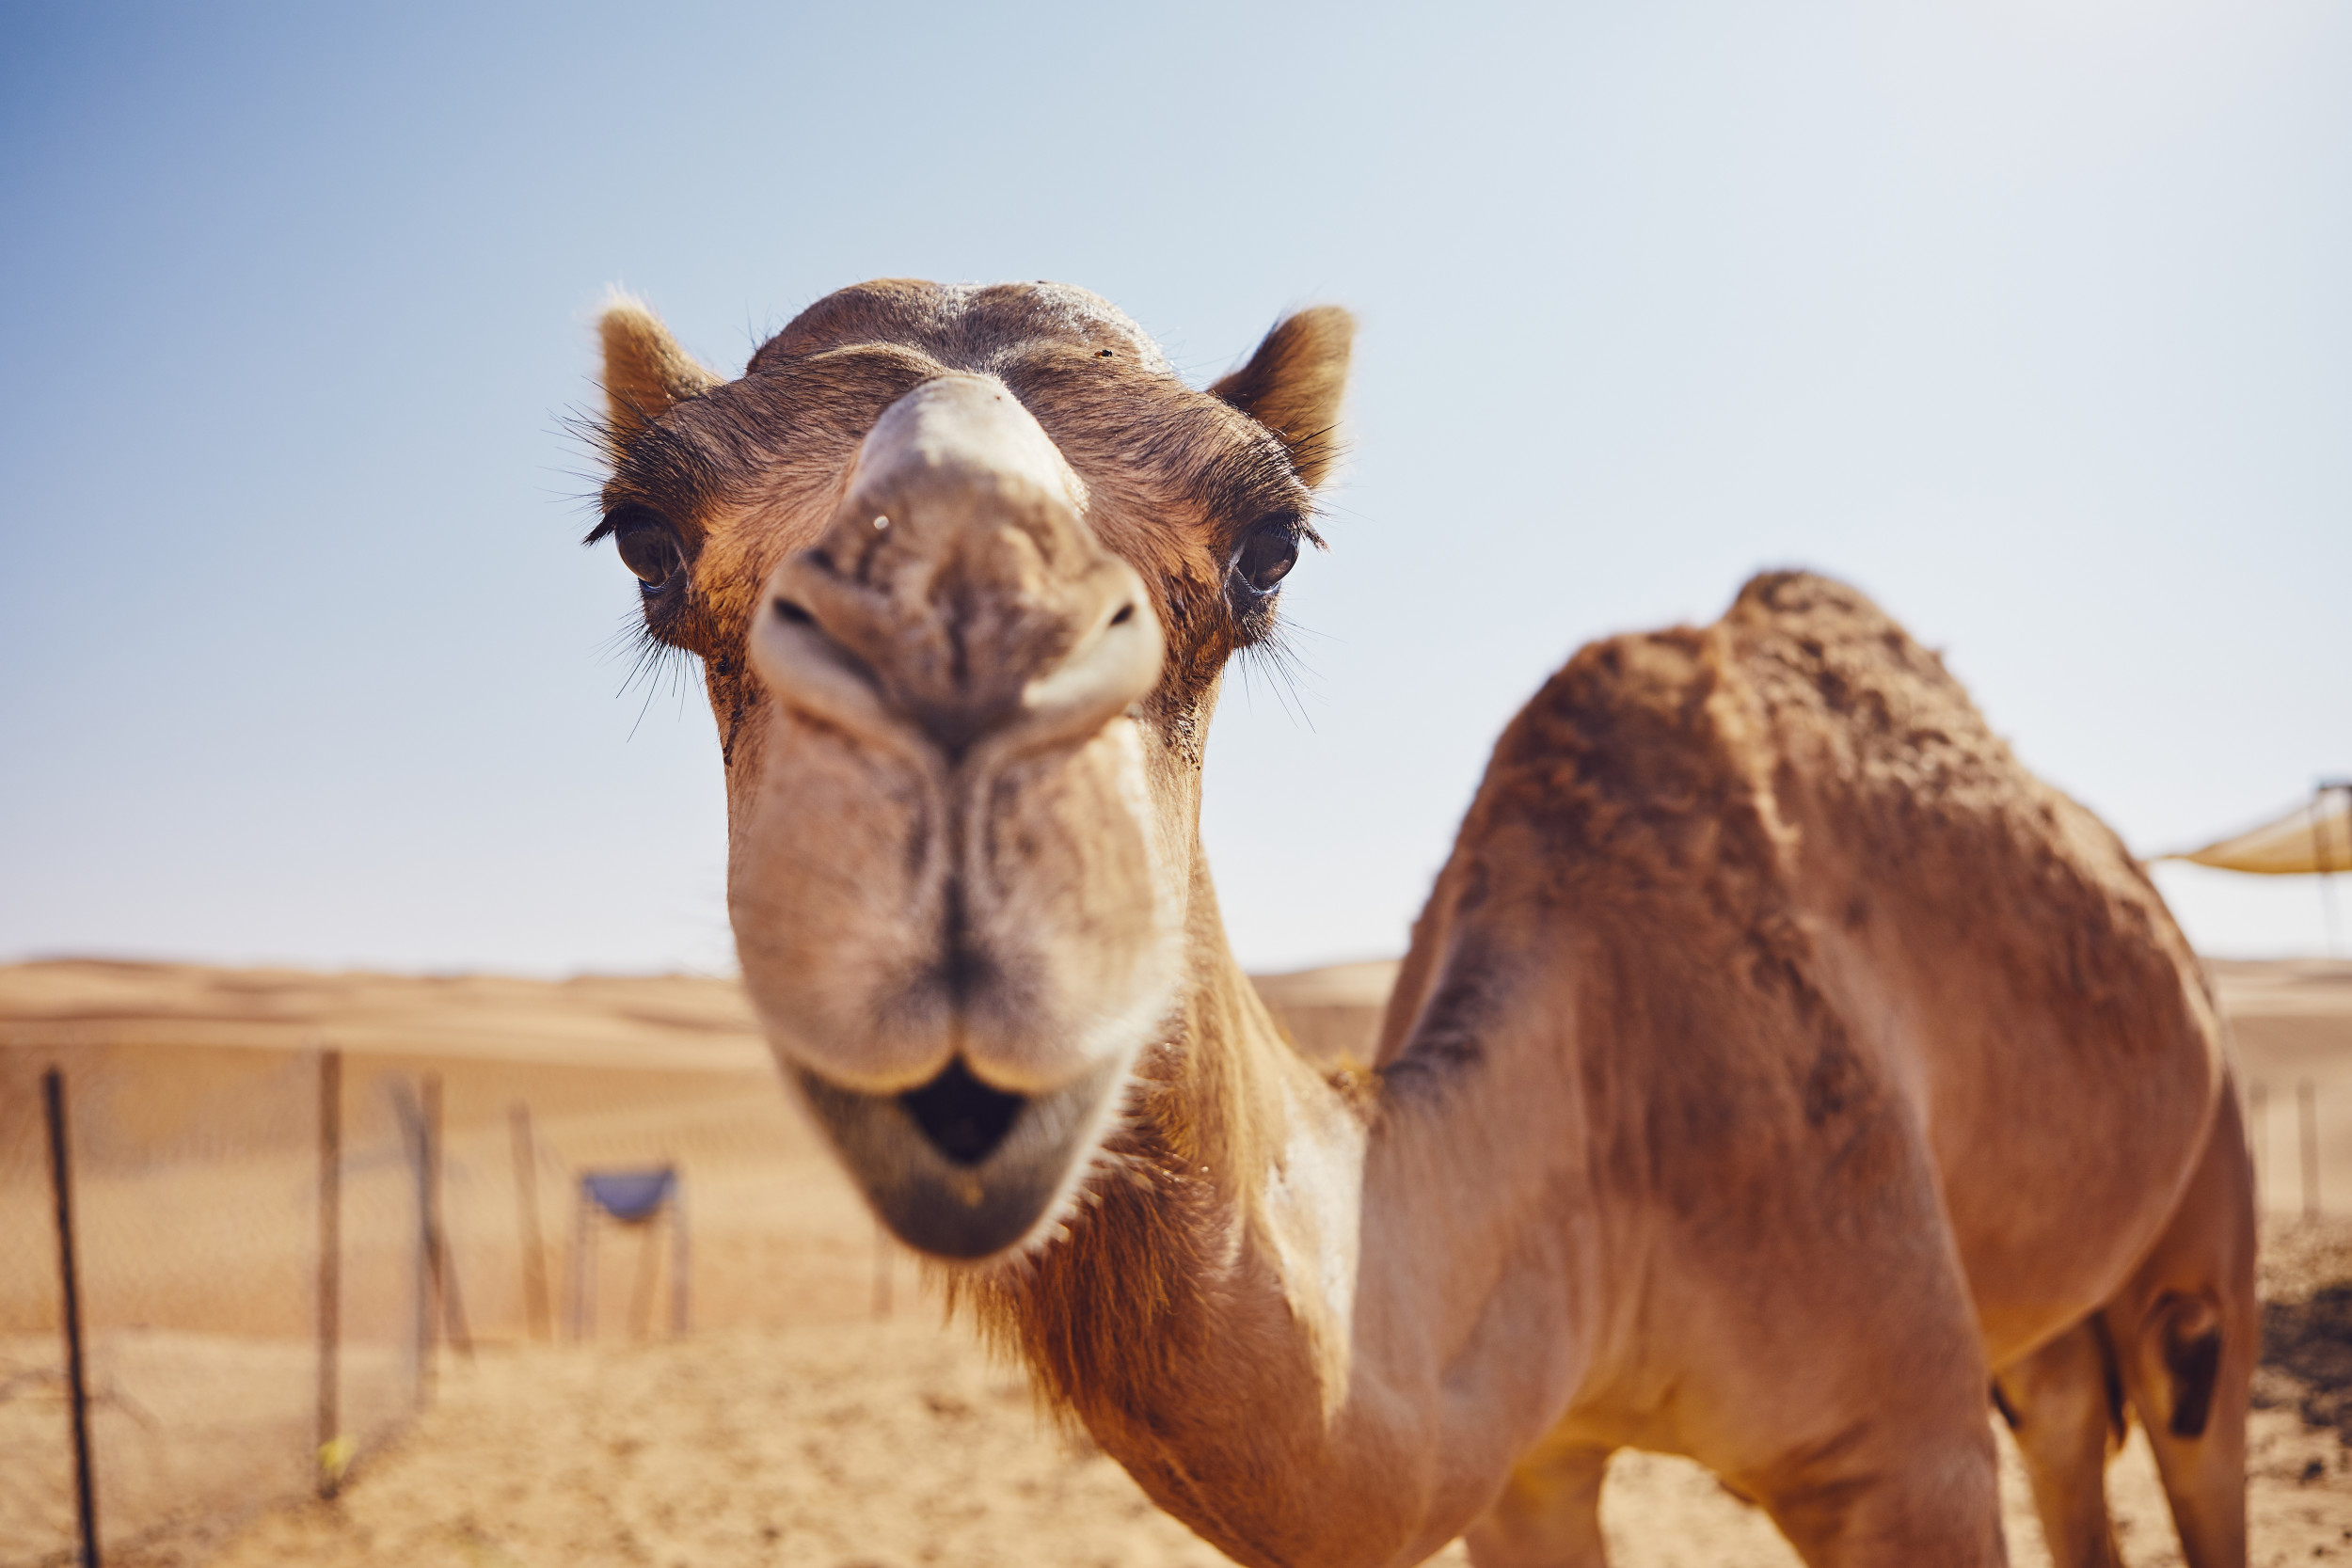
(1834, 635)
(1805, 723)
(1846, 691)
(1633, 774)
(1884, 769)
(1666, 752)
(1795, 594)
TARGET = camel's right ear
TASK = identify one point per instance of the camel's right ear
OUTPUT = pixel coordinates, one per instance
(1294, 385)
(644, 370)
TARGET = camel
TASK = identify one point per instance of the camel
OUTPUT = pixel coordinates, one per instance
(1780, 1074)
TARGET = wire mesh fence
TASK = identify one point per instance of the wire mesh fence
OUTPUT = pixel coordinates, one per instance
(222, 1196)
(196, 1199)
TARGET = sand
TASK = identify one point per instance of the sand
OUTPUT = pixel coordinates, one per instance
(900, 1445)
(789, 1426)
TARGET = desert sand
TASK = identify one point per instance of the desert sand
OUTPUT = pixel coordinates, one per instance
(797, 1423)
(896, 1445)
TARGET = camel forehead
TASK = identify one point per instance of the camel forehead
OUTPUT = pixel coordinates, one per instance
(1102, 390)
(1166, 474)
(969, 326)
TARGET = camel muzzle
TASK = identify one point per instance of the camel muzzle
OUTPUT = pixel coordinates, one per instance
(957, 594)
(959, 1168)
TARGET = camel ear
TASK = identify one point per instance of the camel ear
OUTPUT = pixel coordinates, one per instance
(644, 370)
(1294, 384)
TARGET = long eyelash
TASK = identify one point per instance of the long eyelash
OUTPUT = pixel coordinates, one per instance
(1276, 658)
(592, 435)
(1273, 656)
(601, 439)
(651, 661)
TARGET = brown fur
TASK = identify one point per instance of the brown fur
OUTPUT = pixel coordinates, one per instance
(1777, 1065)
(646, 371)
(1294, 384)
(1177, 472)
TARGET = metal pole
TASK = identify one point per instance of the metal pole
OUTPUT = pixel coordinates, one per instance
(640, 1288)
(2327, 912)
(77, 1382)
(584, 1277)
(2323, 843)
(527, 1213)
(331, 1454)
(2307, 1102)
(428, 1269)
(453, 1307)
(679, 1257)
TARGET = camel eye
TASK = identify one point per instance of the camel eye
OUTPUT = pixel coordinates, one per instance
(1267, 553)
(648, 547)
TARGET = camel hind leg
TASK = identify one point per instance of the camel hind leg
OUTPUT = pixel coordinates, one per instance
(2186, 1331)
(2063, 1404)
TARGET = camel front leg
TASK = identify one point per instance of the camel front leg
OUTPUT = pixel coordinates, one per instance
(1548, 1516)
(1922, 1494)
(2063, 1403)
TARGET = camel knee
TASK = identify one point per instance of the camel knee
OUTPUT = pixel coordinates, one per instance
(1930, 1499)
(2188, 1341)
(1547, 1516)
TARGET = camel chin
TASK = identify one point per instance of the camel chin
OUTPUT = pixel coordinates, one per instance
(958, 1170)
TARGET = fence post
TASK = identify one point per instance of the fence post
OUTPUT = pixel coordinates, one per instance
(527, 1214)
(2307, 1102)
(681, 1260)
(451, 1307)
(330, 1452)
(77, 1382)
(583, 1303)
(640, 1288)
(428, 1294)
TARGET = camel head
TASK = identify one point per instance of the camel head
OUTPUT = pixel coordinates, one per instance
(962, 567)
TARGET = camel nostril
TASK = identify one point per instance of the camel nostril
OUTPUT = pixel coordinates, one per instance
(797, 615)
(1126, 613)
(963, 1118)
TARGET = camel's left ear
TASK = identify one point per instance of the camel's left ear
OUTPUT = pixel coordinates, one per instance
(644, 370)
(1294, 384)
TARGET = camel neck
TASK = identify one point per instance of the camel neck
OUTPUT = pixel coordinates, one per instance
(1249, 1289)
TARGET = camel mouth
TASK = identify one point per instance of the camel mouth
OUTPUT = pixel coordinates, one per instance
(957, 1167)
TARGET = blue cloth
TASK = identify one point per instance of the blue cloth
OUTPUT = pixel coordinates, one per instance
(629, 1195)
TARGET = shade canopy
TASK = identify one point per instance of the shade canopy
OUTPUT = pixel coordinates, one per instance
(2315, 836)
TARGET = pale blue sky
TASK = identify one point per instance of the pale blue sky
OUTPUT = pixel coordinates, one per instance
(2031, 319)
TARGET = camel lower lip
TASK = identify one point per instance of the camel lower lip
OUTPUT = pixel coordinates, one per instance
(957, 1169)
